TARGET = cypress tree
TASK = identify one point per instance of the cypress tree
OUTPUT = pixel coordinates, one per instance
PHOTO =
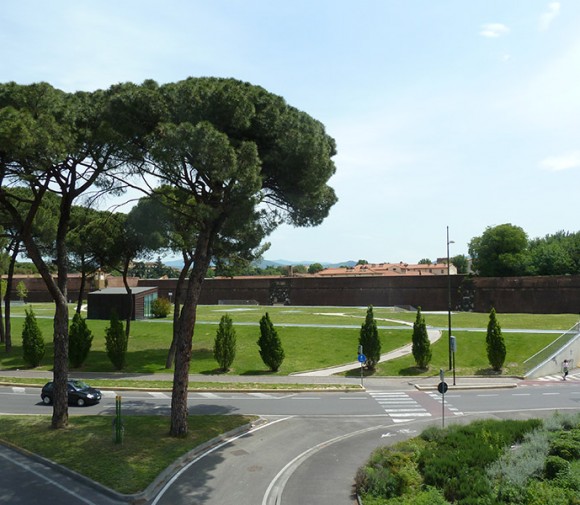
(270, 345)
(224, 349)
(369, 339)
(116, 342)
(32, 340)
(495, 344)
(421, 345)
(80, 339)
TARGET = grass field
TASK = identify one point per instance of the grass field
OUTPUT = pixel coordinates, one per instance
(322, 337)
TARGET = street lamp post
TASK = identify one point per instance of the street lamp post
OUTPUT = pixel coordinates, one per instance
(449, 298)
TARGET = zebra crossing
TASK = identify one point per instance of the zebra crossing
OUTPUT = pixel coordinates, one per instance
(558, 377)
(399, 406)
(402, 406)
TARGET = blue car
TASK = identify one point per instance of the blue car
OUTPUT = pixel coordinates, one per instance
(79, 393)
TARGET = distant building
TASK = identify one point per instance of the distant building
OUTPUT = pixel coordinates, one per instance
(389, 269)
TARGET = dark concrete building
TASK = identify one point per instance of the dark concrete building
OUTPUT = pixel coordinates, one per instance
(101, 303)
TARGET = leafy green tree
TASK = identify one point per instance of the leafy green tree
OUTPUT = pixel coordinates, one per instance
(314, 268)
(54, 142)
(21, 291)
(224, 349)
(501, 251)
(461, 262)
(241, 161)
(80, 341)
(362, 262)
(32, 340)
(495, 345)
(116, 342)
(271, 350)
(425, 261)
(421, 346)
(369, 339)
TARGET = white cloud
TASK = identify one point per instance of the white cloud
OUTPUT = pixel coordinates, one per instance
(562, 162)
(494, 30)
(547, 17)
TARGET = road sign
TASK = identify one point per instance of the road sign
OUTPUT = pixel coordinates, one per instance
(362, 358)
(442, 387)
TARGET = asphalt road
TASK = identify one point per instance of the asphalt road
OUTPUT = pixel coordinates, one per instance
(307, 452)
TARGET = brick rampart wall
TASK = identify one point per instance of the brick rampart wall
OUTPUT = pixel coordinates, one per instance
(546, 294)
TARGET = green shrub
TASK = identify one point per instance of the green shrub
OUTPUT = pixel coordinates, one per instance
(116, 342)
(556, 466)
(543, 493)
(270, 345)
(32, 340)
(161, 307)
(224, 349)
(521, 462)
(566, 444)
(80, 339)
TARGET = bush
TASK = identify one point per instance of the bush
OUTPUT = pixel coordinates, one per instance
(555, 466)
(270, 345)
(32, 340)
(80, 339)
(224, 349)
(566, 444)
(161, 307)
(116, 342)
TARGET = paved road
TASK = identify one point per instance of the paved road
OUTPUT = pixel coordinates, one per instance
(308, 452)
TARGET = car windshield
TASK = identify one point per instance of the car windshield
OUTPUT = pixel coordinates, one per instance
(79, 384)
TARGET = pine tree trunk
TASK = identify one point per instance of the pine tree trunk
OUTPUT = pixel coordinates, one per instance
(179, 412)
(60, 373)
(176, 310)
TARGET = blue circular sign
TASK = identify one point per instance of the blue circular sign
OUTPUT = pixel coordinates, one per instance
(362, 358)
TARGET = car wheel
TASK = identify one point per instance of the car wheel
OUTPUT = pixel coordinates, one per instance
(46, 400)
(80, 402)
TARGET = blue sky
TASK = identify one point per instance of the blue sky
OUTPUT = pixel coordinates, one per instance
(446, 113)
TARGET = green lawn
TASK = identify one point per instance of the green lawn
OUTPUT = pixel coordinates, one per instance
(87, 445)
(314, 344)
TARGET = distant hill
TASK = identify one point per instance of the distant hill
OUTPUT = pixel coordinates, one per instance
(277, 263)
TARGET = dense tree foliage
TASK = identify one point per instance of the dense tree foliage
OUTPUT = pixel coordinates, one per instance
(421, 346)
(500, 251)
(369, 339)
(238, 161)
(505, 250)
(270, 345)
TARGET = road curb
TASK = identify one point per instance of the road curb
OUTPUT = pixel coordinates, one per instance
(459, 387)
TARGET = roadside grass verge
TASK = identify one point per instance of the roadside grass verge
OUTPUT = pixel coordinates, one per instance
(87, 445)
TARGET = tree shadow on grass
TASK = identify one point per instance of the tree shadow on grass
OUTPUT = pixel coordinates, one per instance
(489, 372)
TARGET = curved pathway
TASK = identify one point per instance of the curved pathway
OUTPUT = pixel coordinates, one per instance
(433, 335)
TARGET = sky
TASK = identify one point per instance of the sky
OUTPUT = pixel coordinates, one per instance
(447, 114)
